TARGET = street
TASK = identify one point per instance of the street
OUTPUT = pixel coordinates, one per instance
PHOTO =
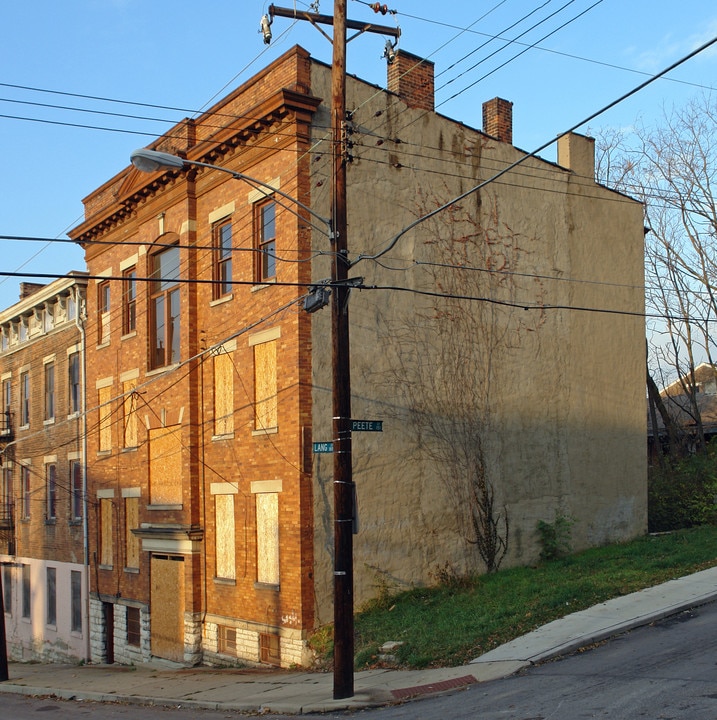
(666, 670)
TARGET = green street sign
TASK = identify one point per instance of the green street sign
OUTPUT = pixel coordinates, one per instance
(323, 447)
(367, 425)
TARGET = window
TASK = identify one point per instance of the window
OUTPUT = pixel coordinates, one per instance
(265, 224)
(223, 394)
(129, 301)
(25, 477)
(164, 308)
(76, 489)
(7, 588)
(225, 542)
(73, 373)
(103, 312)
(265, 397)
(75, 601)
(105, 418)
(5, 424)
(133, 627)
(131, 520)
(165, 465)
(106, 554)
(26, 592)
(222, 259)
(49, 391)
(25, 399)
(6, 492)
(48, 318)
(226, 640)
(52, 596)
(267, 540)
(129, 409)
(71, 307)
(51, 482)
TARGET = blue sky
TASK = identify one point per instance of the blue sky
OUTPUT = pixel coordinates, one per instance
(181, 54)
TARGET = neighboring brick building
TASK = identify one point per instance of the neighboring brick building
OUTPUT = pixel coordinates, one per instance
(42, 499)
(207, 381)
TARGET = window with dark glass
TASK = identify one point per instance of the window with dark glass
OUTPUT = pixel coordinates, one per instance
(266, 240)
(26, 592)
(24, 398)
(51, 478)
(51, 596)
(133, 626)
(222, 259)
(49, 391)
(76, 489)
(73, 373)
(103, 312)
(164, 308)
(25, 476)
(129, 301)
(75, 601)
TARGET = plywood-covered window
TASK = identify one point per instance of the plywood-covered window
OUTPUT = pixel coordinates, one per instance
(226, 540)
(131, 541)
(129, 407)
(105, 418)
(106, 546)
(265, 385)
(165, 465)
(223, 394)
(267, 538)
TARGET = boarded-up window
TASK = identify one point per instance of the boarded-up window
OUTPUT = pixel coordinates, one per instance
(265, 400)
(165, 465)
(131, 519)
(105, 425)
(267, 538)
(106, 554)
(134, 628)
(223, 394)
(225, 543)
(130, 413)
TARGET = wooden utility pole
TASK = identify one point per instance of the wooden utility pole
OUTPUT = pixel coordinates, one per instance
(341, 378)
(341, 368)
(4, 674)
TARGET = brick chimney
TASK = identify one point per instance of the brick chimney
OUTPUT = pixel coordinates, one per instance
(498, 119)
(28, 288)
(411, 78)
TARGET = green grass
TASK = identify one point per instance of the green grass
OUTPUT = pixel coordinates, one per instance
(457, 621)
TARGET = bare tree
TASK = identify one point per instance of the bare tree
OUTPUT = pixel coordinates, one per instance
(672, 168)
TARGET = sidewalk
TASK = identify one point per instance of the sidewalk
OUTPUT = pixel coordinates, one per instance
(294, 692)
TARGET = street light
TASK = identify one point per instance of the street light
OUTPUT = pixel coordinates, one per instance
(147, 160)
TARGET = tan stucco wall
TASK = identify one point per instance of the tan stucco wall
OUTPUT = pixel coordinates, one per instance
(565, 420)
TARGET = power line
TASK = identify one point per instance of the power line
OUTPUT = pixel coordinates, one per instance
(542, 147)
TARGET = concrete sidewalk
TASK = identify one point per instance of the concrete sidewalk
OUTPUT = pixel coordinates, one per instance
(294, 692)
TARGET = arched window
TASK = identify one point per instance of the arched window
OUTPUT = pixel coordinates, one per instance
(164, 329)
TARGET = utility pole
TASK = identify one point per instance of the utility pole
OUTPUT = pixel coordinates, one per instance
(4, 674)
(341, 378)
(341, 368)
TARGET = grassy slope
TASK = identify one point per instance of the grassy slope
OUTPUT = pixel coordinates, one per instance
(458, 621)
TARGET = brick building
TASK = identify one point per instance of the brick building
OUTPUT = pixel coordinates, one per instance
(43, 533)
(207, 382)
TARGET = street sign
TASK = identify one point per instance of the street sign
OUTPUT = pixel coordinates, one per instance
(323, 447)
(367, 425)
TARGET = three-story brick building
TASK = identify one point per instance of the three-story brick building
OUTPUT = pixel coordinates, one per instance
(471, 339)
(43, 529)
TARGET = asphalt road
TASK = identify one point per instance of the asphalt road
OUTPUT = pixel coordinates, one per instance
(666, 671)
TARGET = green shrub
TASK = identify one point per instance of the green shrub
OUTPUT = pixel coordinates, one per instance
(682, 494)
(555, 538)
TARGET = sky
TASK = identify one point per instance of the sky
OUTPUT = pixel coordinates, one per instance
(85, 82)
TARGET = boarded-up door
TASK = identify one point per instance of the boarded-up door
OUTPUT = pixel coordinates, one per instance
(167, 608)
